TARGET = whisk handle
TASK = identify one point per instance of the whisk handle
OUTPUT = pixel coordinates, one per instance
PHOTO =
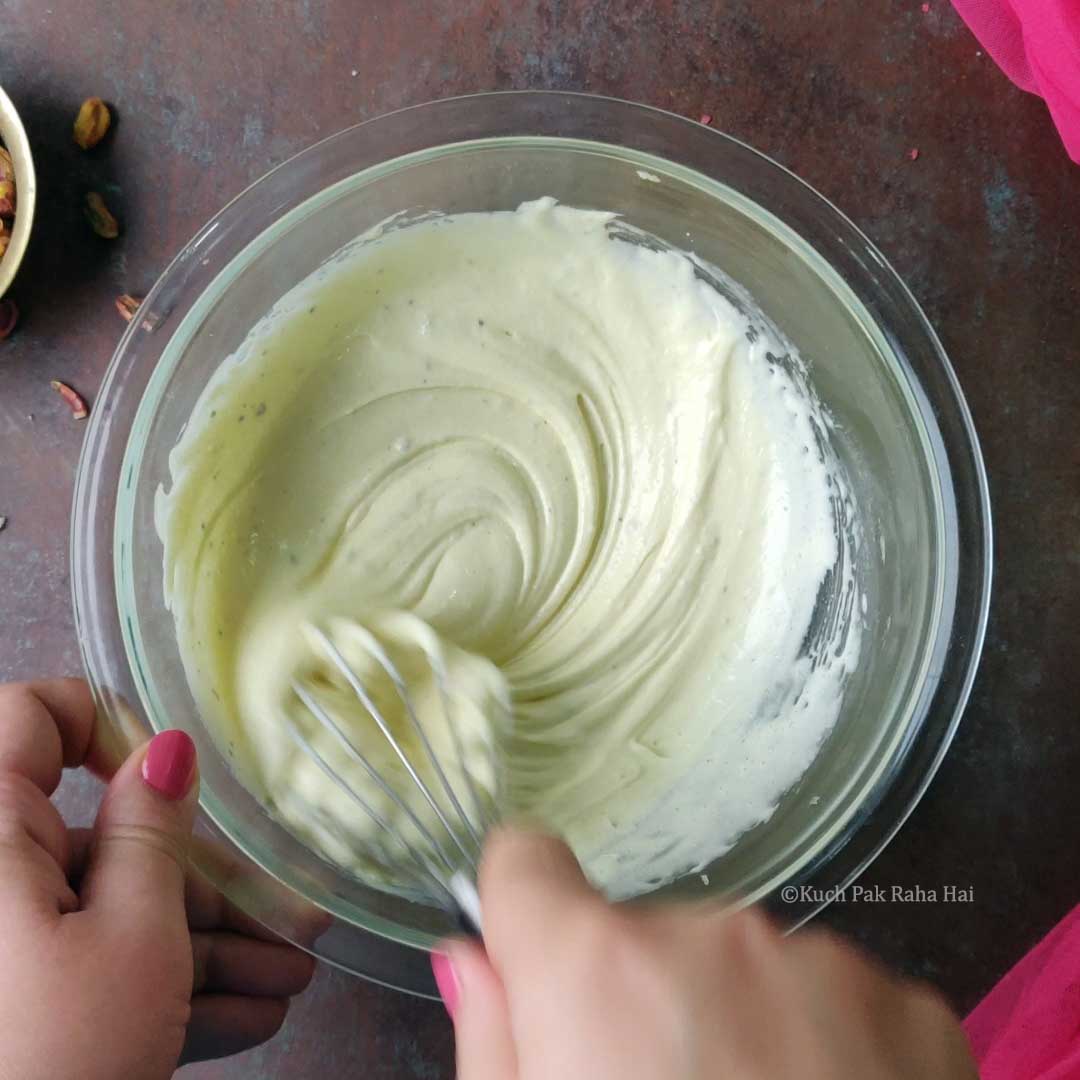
(468, 901)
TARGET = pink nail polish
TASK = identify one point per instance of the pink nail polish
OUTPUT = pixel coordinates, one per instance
(447, 981)
(169, 765)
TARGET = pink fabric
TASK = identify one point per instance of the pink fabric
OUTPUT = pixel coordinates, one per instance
(1037, 44)
(1028, 1026)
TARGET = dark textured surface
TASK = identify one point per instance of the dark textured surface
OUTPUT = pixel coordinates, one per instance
(984, 226)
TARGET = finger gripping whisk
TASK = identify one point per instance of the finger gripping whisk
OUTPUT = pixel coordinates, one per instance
(401, 758)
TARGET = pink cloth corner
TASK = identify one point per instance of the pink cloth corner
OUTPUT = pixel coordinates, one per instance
(1028, 1026)
(1037, 44)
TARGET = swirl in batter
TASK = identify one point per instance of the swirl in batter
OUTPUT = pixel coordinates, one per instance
(575, 459)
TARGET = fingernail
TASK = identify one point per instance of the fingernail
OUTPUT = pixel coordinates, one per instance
(447, 981)
(169, 765)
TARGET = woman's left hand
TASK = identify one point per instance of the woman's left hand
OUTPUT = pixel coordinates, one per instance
(116, 959)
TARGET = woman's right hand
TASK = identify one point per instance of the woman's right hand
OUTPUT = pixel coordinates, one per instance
(571, 987)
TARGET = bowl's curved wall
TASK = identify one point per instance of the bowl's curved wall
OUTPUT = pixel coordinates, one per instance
(902, 431)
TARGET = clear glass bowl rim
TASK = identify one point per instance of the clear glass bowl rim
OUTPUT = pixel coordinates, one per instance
(957, 452)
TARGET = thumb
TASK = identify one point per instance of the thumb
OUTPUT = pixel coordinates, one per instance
(474, 998)
(142, 834)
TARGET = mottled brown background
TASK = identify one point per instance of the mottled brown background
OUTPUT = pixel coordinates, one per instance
(984, 225)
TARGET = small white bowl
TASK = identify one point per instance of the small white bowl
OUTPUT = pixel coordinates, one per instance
(14, 138)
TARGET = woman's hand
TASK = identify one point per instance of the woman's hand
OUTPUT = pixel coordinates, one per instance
(571, 987)
(115, 960)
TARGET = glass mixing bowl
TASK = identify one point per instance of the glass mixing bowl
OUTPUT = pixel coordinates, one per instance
(902, 431)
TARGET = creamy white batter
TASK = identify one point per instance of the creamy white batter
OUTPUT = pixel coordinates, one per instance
(603, 485)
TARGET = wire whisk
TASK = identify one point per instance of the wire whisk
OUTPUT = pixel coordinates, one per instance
(444, 850)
